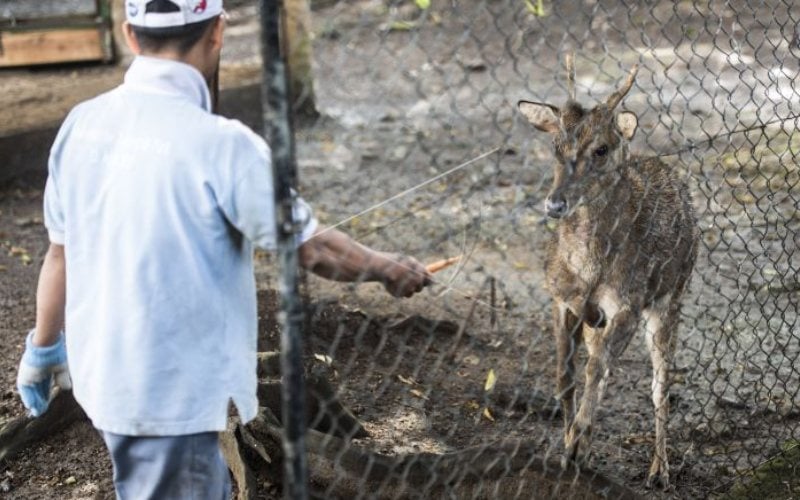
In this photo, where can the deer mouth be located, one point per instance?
(559, 207)
(556, 209)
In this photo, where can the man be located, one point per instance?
(152, 206)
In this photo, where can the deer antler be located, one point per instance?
(615, 98)
(569, 62)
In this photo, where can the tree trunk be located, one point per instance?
(299, 53)
(24, 431)
(123, 54)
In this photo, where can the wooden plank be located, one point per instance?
(27, 9)
(52, 46)
(52, 24)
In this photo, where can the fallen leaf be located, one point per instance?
(473, 405)
(70, 480)
(423, 4)
(476, 66)
(471, 359)
(27, 221)
(488, 414)
(491, 380)
(418, 393)
(401, 26)
(17, 251)
(324, 358)
(407, 381)
(639, 439)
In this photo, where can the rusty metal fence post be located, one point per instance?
(278, 126)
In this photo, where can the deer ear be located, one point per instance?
(540, 115)
(627, 123)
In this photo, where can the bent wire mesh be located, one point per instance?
(454, 392)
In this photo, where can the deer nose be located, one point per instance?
(555, 206)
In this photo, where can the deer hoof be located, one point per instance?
(577, 441)
(658, 479)
(570, 460)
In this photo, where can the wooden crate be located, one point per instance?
(57, 40)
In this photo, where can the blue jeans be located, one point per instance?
(187, 467)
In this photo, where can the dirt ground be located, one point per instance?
(407, 94)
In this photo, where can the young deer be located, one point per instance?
(623, 253)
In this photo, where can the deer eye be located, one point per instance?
(601, 151)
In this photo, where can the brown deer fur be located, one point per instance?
(622, 255)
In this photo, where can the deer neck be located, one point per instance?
(599, 222)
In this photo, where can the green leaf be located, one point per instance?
(423, 4)
(402, 26)
(536, 9)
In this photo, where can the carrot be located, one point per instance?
(435, 267)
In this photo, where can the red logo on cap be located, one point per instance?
(200, 7)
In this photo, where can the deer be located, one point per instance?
(620, 257)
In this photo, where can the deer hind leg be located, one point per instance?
(567, 334)
(659, 336)
(604, 347)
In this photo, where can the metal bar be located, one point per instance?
(278, 122)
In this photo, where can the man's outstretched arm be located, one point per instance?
(334, 255)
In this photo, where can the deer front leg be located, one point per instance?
(604, 347)
(566, 330)
(659, 342)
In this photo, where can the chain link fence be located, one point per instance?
(451, 394)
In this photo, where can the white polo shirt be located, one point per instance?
(157, 203)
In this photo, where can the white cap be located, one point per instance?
(179, 12)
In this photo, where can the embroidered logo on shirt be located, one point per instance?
(133, 9)
(200, 7)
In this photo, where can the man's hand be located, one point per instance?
(37, 369)
(404, 276)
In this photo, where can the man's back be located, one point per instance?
(156, 201)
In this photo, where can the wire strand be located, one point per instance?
(410, 190)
